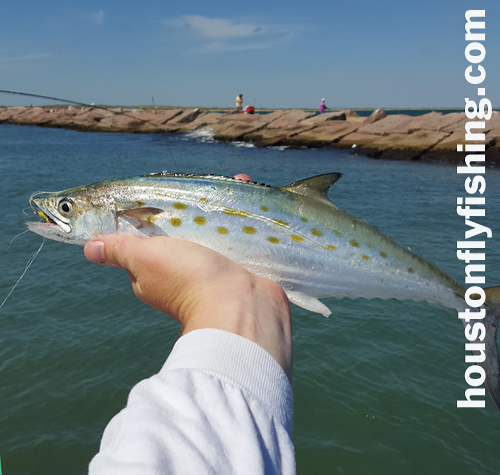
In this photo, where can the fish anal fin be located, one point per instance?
(309, 303)
(315, 187)
(145, 216)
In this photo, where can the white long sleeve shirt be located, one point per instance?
(220, 404)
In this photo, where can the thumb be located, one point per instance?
(110, 250)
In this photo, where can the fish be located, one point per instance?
(293, 235)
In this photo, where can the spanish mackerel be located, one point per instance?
(293, 235)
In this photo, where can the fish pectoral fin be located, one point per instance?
(309, 303)
(145, 216)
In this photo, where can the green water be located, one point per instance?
(375, 385)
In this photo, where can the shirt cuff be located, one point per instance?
(239, 361)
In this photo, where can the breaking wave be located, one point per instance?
(243, 144)
(201, 135)
(207, 135)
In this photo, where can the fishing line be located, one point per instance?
(78, 103)
(28, 264)
(15, 237)
(58, 99)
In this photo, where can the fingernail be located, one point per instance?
(95, 252)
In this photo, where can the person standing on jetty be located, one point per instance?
(322, 106)
(239, 102)
(223, 402)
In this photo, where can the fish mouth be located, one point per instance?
(50, 220)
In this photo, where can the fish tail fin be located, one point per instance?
(490, 363)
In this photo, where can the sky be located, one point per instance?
(278, 54)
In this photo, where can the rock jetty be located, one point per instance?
(432, 136)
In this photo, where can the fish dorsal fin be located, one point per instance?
(315, 187)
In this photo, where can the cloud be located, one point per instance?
(216, 28)
(25, 57)
(95, 18)
(98, 17)
(220, 34)
(21, 61)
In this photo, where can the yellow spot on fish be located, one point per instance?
(337, 233)
(140, 203)
(279, 222)
(222, 230)
(264, 208)
(273, 240)
(330, 248)
(304, 220)
(365, 257)
(200, 220)
(204, 200)
(383, 254)
(236, 212)
(354, 243)
(316, 232)
(152, 218)
(249, 230)
(296, 238)
(175, 222)
(410, 270)
(180, 205)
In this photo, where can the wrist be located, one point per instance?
(252, 307)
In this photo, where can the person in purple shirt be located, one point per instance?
(322, 106)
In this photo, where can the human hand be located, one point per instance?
(201, 289)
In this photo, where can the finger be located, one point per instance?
(242, 177)
(110, 250)
(94, 252)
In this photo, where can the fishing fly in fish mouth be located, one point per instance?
(293, 235)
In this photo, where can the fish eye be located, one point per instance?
(65, 207)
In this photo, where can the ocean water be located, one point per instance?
(375, 384)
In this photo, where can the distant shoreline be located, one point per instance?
(389, 110)
(419, 134)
